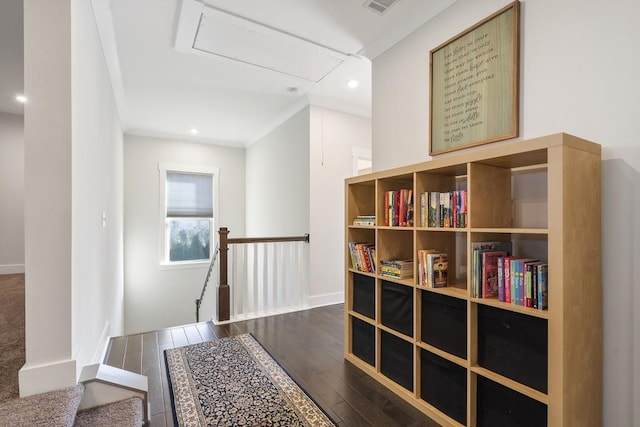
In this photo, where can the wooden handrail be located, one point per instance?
(237, 240)
(224, 300)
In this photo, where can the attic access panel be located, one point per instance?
(236, 38)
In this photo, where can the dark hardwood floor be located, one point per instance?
(307, 344)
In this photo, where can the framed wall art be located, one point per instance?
(474, 82)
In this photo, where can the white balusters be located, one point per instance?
(267, 278)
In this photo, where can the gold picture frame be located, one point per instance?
(474, 84)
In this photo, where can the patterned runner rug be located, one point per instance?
(235, 382)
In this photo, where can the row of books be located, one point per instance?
(398, 269)
(363, 256)
(443, 209)
(364, 220)
(398, 208)
(432, 268)
(516, 280)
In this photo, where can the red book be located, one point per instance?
(490, 273)
(386, 208)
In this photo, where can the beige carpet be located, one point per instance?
(12, 351)
(53, 409)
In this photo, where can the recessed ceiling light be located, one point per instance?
(194, 131)
(352, 84)
(21, 98)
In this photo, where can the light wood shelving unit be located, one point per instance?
(467, 361)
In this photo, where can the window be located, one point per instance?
(188, 216)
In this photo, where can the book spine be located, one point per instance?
(484, 285)
(402, 208)
(534, 286)
(500, 278)
(528, 301)
(508, 285)
(386, 208)
(543, 295)
(423, 197)
(354, 263)
(520, 282)
(515, 276)
(410, 208)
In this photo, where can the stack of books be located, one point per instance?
(398, 269)
(365, 220)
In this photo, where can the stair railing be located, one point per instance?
(224, 297)
(206, 281)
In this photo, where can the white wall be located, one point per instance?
(11, 193)
(333, 135)
(97, 192)
(158, 298)
(278, 181)
(578, 75)
(47, 201)
(73, 166)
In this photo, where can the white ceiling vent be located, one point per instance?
(379, 6)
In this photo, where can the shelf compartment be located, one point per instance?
(359, 235)
(361, 200)
(396, 183)
(503, 197)
(395, 244)
(364, 295)
(529, 197)
(443, 385)
(498, 405)
(363, 340)
(442, 181)
(443, 323)
(396, 359)
(454, 245)
(396, 307)
(513, 345)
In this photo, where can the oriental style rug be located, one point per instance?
(235, 382)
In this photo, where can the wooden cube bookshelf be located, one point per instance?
(543, 367)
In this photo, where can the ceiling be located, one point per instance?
(269, 60)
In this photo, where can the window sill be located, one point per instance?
(184, 265)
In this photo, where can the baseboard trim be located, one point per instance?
(326, 299)
(46, 377)
(12, 269)
(313, 302)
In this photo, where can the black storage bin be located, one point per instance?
(499, 406)
(363, 340)
(443, 384)
(444, 323)
(513, 345)
(397, 307)
(364, 295)
(396, 359)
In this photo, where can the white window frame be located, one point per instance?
(163, 168)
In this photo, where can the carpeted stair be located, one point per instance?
(60, 408)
